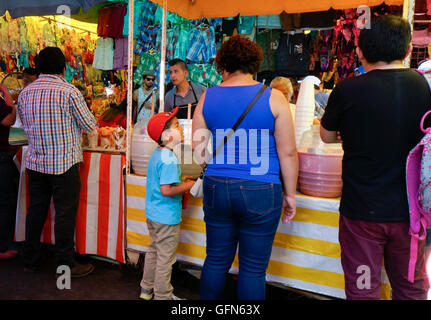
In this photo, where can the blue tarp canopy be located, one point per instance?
(21, 8)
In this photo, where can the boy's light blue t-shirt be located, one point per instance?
(163, 168)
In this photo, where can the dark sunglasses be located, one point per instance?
(149, 79)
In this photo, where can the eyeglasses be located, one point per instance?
(149, 79)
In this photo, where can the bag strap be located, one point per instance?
(235, 126)
(422, 123)
(143, 103)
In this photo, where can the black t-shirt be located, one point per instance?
(378, 115)
(4, 131)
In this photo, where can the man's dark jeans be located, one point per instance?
(64, 189)
(9, 179)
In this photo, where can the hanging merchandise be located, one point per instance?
(147, 15)
(110, 21)
(121, 53)
(325, 49)
(48, 35)
(345, 39)
(69, 73)
(4, 27)
(247, 26)
(183, 42)
(171, 43)
(103, 21)
(147, 39)
(269, 40)
(229, 25)
(10, 64)
(330, 77)
(269, 21)
(137, 12)
(116, 21)
(205, 74)
(292, 56)
(14, 39)
(3, 63)
(290, 21)
(202, 45)
(318, 20)
(104, 54)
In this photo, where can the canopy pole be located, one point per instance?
(408, 14)
(129, 85)
(163, 59)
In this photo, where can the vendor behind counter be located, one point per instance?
(115, 116)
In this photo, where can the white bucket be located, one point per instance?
(142, 149)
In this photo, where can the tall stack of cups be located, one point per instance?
(304, 109)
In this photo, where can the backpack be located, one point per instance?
(418, 178)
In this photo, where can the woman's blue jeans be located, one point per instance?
(244, 214)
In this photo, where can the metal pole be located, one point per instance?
(129, 86)
(408, 14)
(163, 59)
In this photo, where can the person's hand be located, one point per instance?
(339, 137)
(289, 206)
(6, 95)
(187, 178)
(3, 88)
(189, 183)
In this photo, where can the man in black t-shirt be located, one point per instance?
(377, 116)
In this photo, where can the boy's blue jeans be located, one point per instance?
(244, 214)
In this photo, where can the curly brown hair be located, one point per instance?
(239, 54)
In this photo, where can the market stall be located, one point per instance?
(28, 27)
(306, 252)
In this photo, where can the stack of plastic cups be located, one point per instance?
(304, 109)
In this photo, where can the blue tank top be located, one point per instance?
(250, 153)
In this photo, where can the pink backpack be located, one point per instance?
(418, 174)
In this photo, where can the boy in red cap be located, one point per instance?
(163, 206)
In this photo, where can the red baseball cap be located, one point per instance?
(157, 123)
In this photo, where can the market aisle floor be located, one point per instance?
(107, 282)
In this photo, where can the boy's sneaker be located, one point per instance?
(174, 297)
(146, 296)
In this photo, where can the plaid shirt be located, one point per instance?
(202, 45)
(204, 74)
(147, 15)
(53, 113)
(147, 39)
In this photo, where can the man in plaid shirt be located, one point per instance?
(53, 113)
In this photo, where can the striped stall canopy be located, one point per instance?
(305, 253)
(100, 219)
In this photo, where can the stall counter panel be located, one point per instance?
(305, 253)
(100, 224)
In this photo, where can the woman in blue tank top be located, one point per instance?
(251, 178)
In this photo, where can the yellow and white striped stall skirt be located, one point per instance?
(305, 253)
